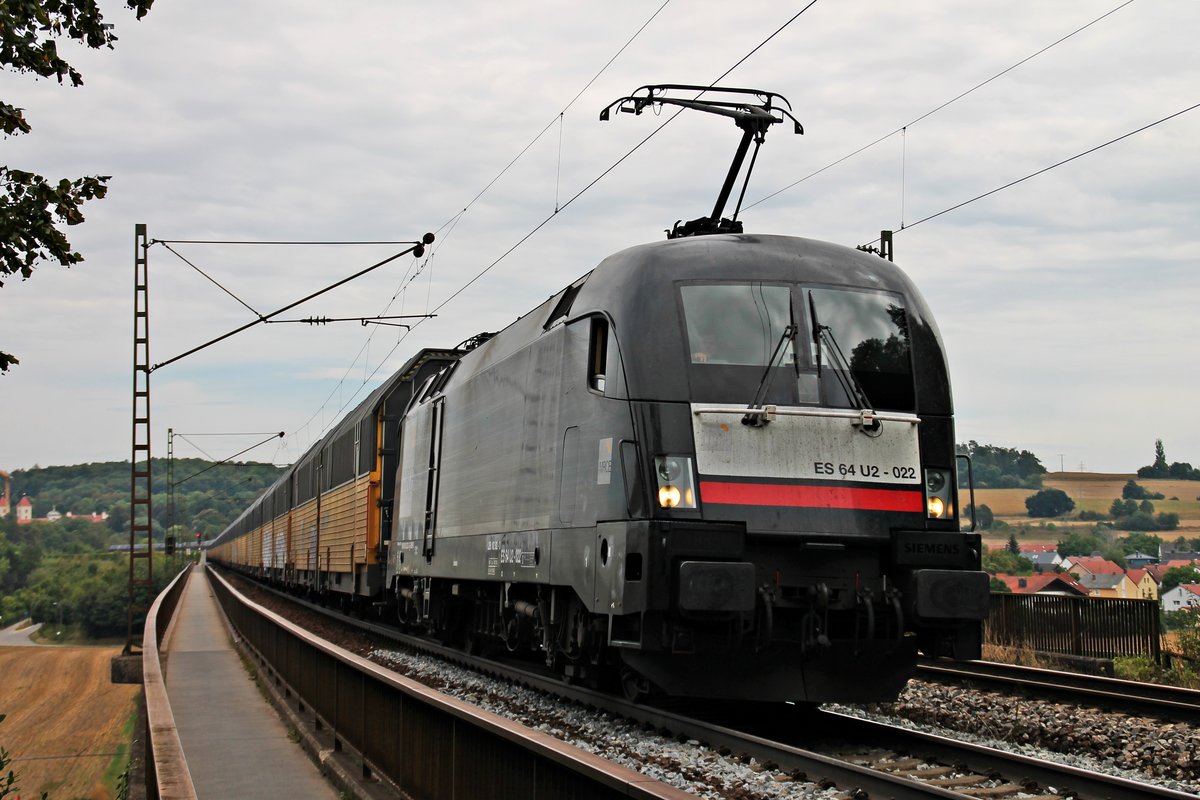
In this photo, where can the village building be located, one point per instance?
(1185, 595)
(1140, 560)
(25, 513)
(1147, 587)
(1092, 565)
(1106, 585)
(1043, 584)
(1044, 561)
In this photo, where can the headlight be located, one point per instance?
(938, 494)
(676, 481)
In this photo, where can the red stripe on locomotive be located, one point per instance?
(773, 494)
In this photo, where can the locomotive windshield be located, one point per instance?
(735, 331)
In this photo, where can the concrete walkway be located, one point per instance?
(236, 745)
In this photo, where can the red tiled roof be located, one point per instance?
(1038, 548)
(1096, 565)
(1136, 575)
(1032, 584)
(25, 503)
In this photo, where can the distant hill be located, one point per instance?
(208, 496)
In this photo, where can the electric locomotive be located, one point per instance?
(721, 465)
(724, 464)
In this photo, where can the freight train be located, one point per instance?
(721, 465)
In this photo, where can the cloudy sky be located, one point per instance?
(1068, 303)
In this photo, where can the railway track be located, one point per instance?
(1112, 694)
(862, 758)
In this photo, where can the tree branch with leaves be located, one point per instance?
(32, 207)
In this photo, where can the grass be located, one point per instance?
(117, 771)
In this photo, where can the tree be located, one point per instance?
(1146, 543)
(1003, 467)
(986, 517)
(1081, 544)
(1177, 575)
(1132, 490)
(1049, 503)
(1013, 546)
(31, 207)
(1005, 563)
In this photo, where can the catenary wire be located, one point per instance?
(575, 197)
(933, 111)
(454, 220)
(1043, 170)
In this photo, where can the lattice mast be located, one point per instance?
(141, 529)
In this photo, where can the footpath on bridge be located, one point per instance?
(236, 745)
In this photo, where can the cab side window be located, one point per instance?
(598, 354)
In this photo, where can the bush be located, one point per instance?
(1137, 668)
(1092, 516)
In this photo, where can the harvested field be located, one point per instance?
(64, 719)
(1093, 491)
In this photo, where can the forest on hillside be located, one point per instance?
(208, 495)
(62, 572)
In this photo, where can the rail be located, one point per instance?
(167, 774)
(424, 743)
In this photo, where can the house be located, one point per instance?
(1147, 586)
(1157, 571)
(1140, 560)
(24, 511)
(1092, 565)
(1043, 584)
(4, 507)
(1185, 595)
(1046, 561)
(1105, 585)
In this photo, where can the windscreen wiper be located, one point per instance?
(768, 376)
(823, 336)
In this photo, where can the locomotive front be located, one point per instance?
(793, 408)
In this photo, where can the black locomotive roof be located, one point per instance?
(635, 288)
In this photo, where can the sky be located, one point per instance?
(1067, 302)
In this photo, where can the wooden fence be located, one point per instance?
(1092, 627)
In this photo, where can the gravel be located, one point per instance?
(686, 765)
(1143, 749)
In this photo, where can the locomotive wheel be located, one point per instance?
(635, 687)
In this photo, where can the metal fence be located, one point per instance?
(426, 744)
(1091, 627)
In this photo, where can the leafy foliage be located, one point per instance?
(1049, 503)
(1087, 542)
(1179, 575)
(1179, 470)
(204, 504)
(1132, 490)
(1002, 467)
(1006, 563)
(31, 206)
(1140, 543)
